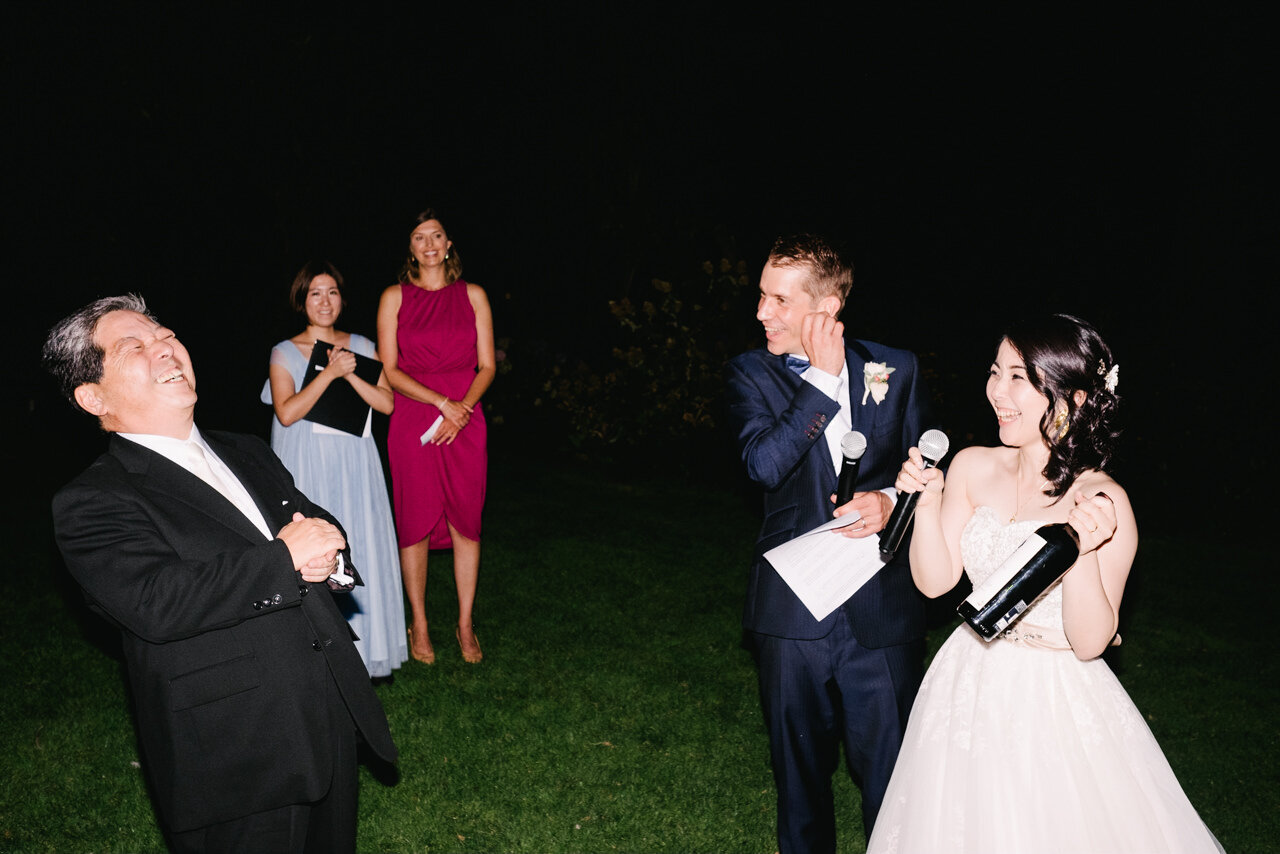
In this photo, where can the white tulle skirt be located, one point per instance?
(1020, 749)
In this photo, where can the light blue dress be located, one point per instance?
(343, 474)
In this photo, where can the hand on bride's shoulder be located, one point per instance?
(1090, 483)
(1101, 511)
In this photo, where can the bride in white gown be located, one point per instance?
(1029, 743)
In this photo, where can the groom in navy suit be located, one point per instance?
(851, 677)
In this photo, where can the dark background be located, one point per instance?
(976, 167)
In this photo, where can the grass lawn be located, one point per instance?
(615, 709)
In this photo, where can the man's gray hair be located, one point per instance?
(70, 353)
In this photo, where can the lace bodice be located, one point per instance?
(987, 540)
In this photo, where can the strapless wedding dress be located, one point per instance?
(1018, 746)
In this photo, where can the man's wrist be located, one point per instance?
(827, 383)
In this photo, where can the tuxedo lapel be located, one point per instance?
(155, 473)
(276, 506)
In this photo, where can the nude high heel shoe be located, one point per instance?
(428, 657)
(471, 653)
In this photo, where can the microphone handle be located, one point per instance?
(891, 536)
(848, 474)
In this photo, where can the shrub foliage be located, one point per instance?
(663, 377)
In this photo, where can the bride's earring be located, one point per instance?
(1060, 424)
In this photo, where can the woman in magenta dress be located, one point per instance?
(435, 333)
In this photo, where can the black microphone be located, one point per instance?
(933, 447)
(853, 446)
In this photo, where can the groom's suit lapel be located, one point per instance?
(790, 379)
(863, 415)
(164, 480)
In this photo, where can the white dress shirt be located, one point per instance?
(224, 480)
(836, 388)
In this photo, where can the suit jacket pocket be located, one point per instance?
(888, 429)
(215, 682)
(779, 527)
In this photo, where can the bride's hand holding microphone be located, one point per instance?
(933, 568)
(915, 476)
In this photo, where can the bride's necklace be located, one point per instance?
(1017, 492)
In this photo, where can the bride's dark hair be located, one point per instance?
(1063, 355)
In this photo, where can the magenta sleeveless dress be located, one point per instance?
(432, 484)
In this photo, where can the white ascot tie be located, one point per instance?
(198, 463)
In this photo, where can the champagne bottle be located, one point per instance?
(1042, 559)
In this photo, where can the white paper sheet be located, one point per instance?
(824, 569)
(431, 431)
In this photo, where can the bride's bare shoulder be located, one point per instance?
(978, 461)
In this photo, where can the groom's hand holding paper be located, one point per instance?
(865, 515)
(824, 570)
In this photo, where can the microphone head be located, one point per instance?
(933, 445)
(853, 445)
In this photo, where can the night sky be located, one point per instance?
(977, 168)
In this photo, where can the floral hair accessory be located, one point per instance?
(875, 381)
(1110, 378)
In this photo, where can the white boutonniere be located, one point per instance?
(875, 381)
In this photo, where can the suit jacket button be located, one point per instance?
(277, 599)
(317, 646)
(257, 606)
(303, 589)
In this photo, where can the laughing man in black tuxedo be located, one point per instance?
(249, 692)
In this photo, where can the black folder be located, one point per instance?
(340, 407)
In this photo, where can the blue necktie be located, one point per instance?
(796, 365)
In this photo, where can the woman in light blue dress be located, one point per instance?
(338, 470)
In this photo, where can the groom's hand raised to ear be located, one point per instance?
(822, 337)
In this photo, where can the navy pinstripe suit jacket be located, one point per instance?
(779, 420)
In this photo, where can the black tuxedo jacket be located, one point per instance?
(228, 649)
(780, 421)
